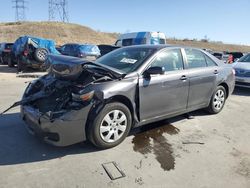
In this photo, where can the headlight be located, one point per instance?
(83, 97)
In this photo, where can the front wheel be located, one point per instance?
(111, 126)
(217, 101)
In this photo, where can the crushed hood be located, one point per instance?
(70, 68)
(64, 66)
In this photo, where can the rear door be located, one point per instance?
(202, 73)
(164, 94)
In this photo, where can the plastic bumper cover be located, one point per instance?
(67, 129)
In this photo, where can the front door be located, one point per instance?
(165, 94)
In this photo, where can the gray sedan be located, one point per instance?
(133, 86)
(242, 71)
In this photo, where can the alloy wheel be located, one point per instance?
(219, 99)
(113, 126)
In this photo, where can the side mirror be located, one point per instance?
(154, 70)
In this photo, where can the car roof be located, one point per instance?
(159, 46)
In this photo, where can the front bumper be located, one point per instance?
(65, 130)
(242, 82)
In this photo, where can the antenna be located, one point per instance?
(58, 10)
(20, 7)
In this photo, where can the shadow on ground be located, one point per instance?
(6, 69)
(17, 146)
(241, 91)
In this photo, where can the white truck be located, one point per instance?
(138, 38)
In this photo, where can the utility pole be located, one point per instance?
(20, 7)
(58, 10)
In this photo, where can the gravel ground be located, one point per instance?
(207, 151)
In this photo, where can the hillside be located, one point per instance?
(66, 32)
(60, 32)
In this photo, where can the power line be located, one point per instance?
(20, 7)
(58, 10)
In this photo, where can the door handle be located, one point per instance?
(183, 77)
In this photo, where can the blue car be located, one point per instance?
(31, 52)
(85, 51)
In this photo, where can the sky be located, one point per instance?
(218, 20)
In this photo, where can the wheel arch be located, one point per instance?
(100, 105)
(223, 84)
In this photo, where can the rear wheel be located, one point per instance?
(1, 60)
(217, 101)
(10, 63)
(111, 126)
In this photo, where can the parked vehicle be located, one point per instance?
(242, 71)
(208, 50)
(218, 55)
(31, 52)
(138, 38)
(226, 58)
(104, 48)
(5, 50)
(132, 86)
(87, 51)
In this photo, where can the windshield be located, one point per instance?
(126, 59)
(245, 59)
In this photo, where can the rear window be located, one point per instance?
(89, 48)
(127, 42)
(8, 46)
(210, 62)
(195, 58)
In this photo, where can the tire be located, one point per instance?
(20, 65)
(217, 101)
(1, 60)
(40, 54)
(10, 63)
(114, 132)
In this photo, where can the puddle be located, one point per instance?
(151, 140)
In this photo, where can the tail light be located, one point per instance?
(6, 50)
(25, 52)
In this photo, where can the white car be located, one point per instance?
(138, 38)
(242, 71)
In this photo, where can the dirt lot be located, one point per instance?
(207, 151)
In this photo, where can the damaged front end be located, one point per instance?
(56, 106)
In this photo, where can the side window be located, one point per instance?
(162, 41)
(210, 62)
(67, 48)
(127, 42)
(171, 60)
(195, 58)
(62, 48)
